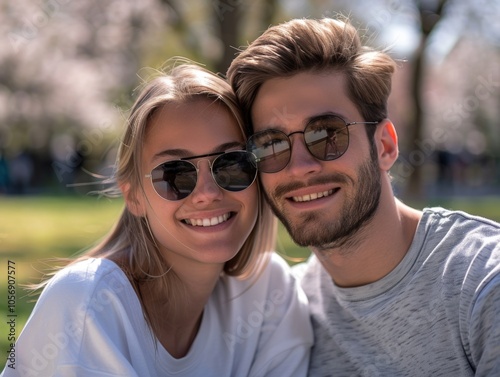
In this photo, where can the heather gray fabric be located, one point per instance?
(436, 314)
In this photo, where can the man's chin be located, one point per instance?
(305, 238)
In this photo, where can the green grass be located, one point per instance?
(488, 207)
(35, 229)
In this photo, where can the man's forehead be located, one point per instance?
(284, 102)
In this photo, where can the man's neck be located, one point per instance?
(376, 249)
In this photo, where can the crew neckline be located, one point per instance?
(388, 282)
(165, 362)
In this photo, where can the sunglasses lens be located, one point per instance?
(234, 171)
(272, 149)
(327, 138)
(174, 180)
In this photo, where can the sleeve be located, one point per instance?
(287, 335)
(71, 332)
(484, 330)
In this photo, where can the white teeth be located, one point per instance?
(208, 221)
(308, 198)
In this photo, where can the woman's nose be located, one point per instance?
(206, 189)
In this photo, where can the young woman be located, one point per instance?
(185, 284)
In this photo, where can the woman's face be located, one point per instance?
(209, 226)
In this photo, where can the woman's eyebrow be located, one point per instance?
(180, 153)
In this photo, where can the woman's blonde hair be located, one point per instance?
(131, 243)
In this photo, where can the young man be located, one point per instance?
(393, 291)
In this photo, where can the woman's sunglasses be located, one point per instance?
(326, 138)
(232, 171)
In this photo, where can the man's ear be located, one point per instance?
(134, 203)
(386, 140)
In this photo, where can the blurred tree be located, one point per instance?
(67, 68)
(64, 65)
(430, 13)
(424, 33)
(230, 32)
(446, 28)
(227, 25)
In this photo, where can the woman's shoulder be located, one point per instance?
(91, 270)
(81, 279)
(275, 277)
(278, 269)
(276, 261)
(265, 316)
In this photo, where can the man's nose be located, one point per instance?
(302, 162)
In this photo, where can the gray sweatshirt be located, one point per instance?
(436, 314)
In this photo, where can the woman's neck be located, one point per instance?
(176, 315)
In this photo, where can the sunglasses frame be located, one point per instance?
(210, 164)
(287, 138)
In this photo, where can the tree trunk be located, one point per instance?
(430, 14)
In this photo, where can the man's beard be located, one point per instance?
(314, 230)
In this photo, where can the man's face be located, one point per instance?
(321, 203)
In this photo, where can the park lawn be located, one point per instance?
(35, 229)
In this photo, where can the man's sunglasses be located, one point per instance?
(232, 171)
(326, 138)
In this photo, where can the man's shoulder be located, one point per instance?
(455, 218)
(464, 236)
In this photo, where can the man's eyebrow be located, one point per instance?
(307, 120)
(325, 115)
(182, 153)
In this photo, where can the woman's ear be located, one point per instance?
(134, 203)
(386, 139)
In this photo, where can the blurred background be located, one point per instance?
(69, 69)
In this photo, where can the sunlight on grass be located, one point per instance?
(288, 249)
(35, 229)
(45, 227)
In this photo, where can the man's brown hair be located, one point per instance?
(307, 45)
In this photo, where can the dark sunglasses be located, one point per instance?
(326, 138)
(232, 171)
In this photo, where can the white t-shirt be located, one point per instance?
(88, 322)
